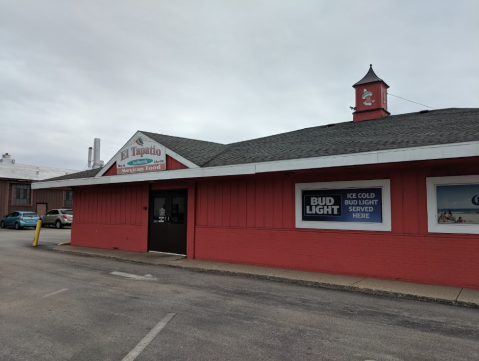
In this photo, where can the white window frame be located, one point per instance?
(433, 226)
(385, 186)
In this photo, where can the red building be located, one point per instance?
(383, 196)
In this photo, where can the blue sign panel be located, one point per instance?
(343, 205)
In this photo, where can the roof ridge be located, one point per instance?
(174, 136)
(341, 123)
(227, 146)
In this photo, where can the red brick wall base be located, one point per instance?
(125, 237)
(440, 259)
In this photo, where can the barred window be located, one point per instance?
(68, 199)
(21, 194)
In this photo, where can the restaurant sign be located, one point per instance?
(141, 155)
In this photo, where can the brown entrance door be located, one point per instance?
(41, 209)
(167, 221)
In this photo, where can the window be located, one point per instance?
(453, 204)
(68, 199)
(355, 205)
(21, 194)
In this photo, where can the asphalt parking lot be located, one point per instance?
(56, 306)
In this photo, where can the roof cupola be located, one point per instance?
(371, 97)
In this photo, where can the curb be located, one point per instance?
(293, 281)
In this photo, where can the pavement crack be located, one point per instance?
(458, 295)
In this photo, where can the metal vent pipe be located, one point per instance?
(90, 150)
(96, 153)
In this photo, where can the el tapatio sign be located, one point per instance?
(141, 155)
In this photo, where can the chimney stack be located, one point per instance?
(371, 97)
(96, 153)
(90, 150)
(7, 158)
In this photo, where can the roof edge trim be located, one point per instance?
(441, 151)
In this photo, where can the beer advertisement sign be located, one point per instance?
(457, 204)
(342, 205)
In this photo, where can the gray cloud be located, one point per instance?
(221, 71)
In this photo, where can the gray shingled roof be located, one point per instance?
(425, 128)
(392, 132)
(85, 174)
(196, 151)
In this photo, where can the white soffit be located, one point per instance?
(447, 151)
(169, 152)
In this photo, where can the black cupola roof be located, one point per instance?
(370, 77)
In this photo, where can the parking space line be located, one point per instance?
(54, 293)
(148, 338)
(134, 277)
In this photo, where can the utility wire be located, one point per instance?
(411, 101)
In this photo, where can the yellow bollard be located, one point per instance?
(37, 233)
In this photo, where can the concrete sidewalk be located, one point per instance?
(439, 294)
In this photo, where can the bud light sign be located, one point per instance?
(342, 205)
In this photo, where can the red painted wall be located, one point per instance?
(375, 110)
(251, 220)
(172, 164)
(446, 260)
(369, 115)
(378, 89)
(111, 216)
(111, 170)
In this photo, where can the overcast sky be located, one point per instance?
(222, 71)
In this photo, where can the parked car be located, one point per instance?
(58, 218)
(19, 219)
